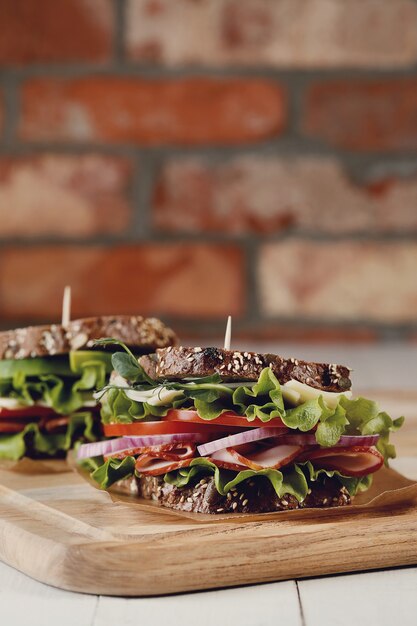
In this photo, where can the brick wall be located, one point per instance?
(195, 158)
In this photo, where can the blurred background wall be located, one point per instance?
(195, 158)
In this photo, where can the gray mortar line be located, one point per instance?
(119, 8)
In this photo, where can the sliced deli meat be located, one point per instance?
(226, 460)
(11, 427)
(110, 447)
(54, 424)
(168, 452)
(150, 466)
(357, 461)
(257, 456)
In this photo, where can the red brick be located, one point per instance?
(344, 280)
(63, 195)
(373, 115)
(308, 334)
(182, 111)
(188, 280)
(255, 194)
(35, 31)
(262, 334)
(288, 33)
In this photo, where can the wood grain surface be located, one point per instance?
(59, 530)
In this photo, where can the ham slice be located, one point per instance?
(51, 425)
(12, 427)
(354, 461)
(150, 466)
(258, 456)
(232, 459)
(224, 458)
(166, 451)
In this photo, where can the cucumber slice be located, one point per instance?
(71, 366)
(37, 366)
(79, 358)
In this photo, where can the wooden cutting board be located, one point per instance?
(58, 529)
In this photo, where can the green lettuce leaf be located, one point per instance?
(353, 484)
(33, 442)
(292, 480)
(125, 363)
(364, 418)
(115, 405)
(305, 416)
(263, 400)
(209, 397)
(332, 425)
(296, 479)
(63, 394)
(113, 470)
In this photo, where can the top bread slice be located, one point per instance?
(233, 366)
(142, 334)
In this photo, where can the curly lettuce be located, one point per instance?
(62, 384)
(295, 479)
(33, 442)
(106, 473)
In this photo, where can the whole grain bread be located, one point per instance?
(142, 334)
(250, 496)
(177, 363)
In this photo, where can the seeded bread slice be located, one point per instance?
(251, 496)
(176, 363)
(140, 333)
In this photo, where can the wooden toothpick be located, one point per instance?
(66, 306)
(228, 334)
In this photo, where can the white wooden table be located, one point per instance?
(382, 598)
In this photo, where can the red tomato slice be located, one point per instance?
(225, 419)
(163, 428)
(29, 413)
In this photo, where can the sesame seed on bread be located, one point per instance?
(250, 496)
(140, 333)
(177, 362)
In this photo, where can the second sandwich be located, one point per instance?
(48, 375)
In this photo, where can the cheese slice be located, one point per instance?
(12, 404)
(159, 396)
(296, 393)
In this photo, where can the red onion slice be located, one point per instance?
(265, 433)
(111, 446)
(248, 436)
(357, 440)
(345, 440)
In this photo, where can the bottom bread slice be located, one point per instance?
(251, 496)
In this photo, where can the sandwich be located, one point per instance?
(216, 431)
(48, 375)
